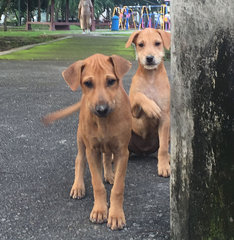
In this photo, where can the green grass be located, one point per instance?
(35, 27)
(38, 30)
(36, 33)
(7, 43)
(75, 48)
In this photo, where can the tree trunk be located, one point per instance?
(6, 15)
(63, 15)
(28, 11)
(5, 22)
(39, 11)
(108, 13)
(67, 11)
(19, 14)
(93, 27)
(47, 13)
(202, 88)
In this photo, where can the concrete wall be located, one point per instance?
(202, 88)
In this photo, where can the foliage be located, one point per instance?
(3, 6)
(99, 6)
(73, 7)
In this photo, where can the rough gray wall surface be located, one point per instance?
(202, 88)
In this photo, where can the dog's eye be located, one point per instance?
(110, 82)
(157, 44)
(88, 84)
(141, 45)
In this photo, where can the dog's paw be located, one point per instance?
(77, 191)
(98, 214)
(136, 111)
(152, 110)
(109, 177)
(164, 169)
(116, 219)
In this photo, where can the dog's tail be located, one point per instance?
(51, 117)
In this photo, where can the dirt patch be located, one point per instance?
(7, 43)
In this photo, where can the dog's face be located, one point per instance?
(99, 77)
(99, 84)
(150, 45)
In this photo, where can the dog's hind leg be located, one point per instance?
(163, 155)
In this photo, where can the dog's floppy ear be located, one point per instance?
(132, 39)
(121, 65)
(166, 37)
(72, 75)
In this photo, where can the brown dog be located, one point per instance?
(150, 97)
(104, 128)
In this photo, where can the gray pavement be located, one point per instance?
(37, 166)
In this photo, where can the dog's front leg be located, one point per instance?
(99, 212)
(141, 102)
(116, 218)
(78, 187)
(163, 155)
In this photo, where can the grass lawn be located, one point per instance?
(37, 30)
(17, 37)
(75, 48)
(9, 42)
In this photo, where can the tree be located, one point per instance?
(3, 6)
(6, 15)
(19, 7)
(73, 7)
(100, 6)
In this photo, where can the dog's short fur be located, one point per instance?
(104, 128)
(150, 97)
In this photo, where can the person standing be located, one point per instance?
(167, 20)
(85, 9)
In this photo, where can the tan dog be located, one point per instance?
(150, 97)
(85, 9)
(104, 128)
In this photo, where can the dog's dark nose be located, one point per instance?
(149, 59)
(102, 110)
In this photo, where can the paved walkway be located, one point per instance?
(37, 166)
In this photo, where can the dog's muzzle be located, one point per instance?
(151, 62)
(102, 110)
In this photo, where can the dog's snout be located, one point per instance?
(101, 110)
(149, 59)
